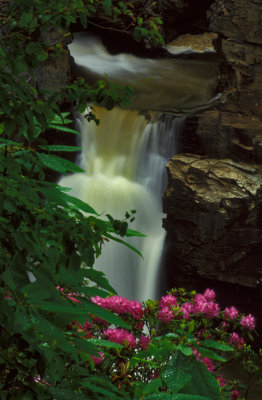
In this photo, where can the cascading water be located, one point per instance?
(124, 158)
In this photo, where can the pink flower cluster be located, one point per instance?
(236, 340)
(235, 395)
(203, 303)
(121, 336)
(166, 303)
(248, 322)
(231, 312)
(120, 305)
(98, 360)
(144, 342)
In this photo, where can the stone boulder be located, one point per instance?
(214, 219)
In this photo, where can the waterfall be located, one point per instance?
(124, 158)
(125, 155)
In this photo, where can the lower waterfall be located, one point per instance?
(124, 158)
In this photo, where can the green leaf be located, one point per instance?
(107, 6)
(63, 128)
(9, 126)
(216, 345)
(152, 386)
(20, 240)
(178, 372)
(209, 353)
(105, 343)
(181, 396)
(60, 147)
(99, 278)
(124, 243)
(203, 383)
(186, 350)
(106, 315)
(25, 20)
(37, 291)
(85, 346)
(69, 309)
(58, 164)
(159, 396)
(42, 56)
(81, 205)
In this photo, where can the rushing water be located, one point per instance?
(125, 155)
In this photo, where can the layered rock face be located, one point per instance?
(214, 199)
(215, 214)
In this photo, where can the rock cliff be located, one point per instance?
(214, 197)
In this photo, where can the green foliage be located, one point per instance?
(49, 239)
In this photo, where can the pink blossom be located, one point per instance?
(144, 342)
(221, 381)
(235, 395)
(211, 309)
(231, 312)
(165, 315)
(209, 294)
(85, 328)
(120, 305)
(70, 296)
(168, 301)
(140, 325)
(208, 363)
(199, 303)
(121, 336)
(248, 322)
(98, 360)
(186, 309)
(236, 340)
(202, 305)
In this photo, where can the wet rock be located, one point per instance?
(192, 44)
(214, 215)
(55, 73)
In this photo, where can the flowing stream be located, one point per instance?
(125, 155)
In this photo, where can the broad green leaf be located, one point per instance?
(203, 383)
(159, 396)
(20, 240)
(99, 278)
(58, 164)
(37, 291)
(60, 147)
(65, 394)
(181, 396)
(108, 316)
(76, 311)
(178, 372)
(186, 350)
(105, 343)
(152, 386)
(98, 389)
(124, 243)
(212, 344)
(62, 128)
(81, 205)
(104, 382)
(209, 353)
(85, 345)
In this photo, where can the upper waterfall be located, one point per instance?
(161, 84)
